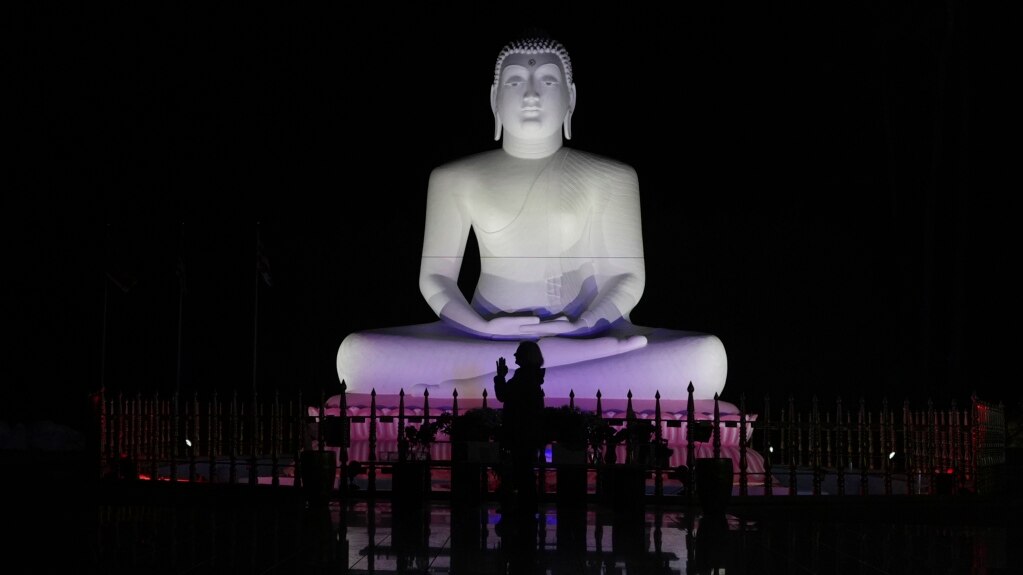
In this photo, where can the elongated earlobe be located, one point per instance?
(493, 107)
(567, 124)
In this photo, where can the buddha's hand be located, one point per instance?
(559, 325)
(502, 368)
(509, 327)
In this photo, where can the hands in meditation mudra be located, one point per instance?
(561, 248)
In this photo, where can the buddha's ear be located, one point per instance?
(493, 107)
(568, 114)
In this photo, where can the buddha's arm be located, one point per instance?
(621, 263)
(617, 256)
(447, 230)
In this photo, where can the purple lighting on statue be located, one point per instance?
(562, 263)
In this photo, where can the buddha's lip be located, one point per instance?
(531, 109)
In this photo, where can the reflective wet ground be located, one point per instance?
(241, 529)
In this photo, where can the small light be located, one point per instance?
(891, 455)
(188, 442)
(770, 449)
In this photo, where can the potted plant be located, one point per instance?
(411, 473)
(415, 442)
(567, 429)
(473, 447)
(638, 435)
(473, 434)
(624, 484)
(600, 435)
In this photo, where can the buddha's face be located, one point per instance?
(532, 96)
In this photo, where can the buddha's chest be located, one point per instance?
(543, 209)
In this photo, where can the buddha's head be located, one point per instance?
(533, 95)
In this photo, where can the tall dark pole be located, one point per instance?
(253, 435)
(181, 305)
(175, 442)
(255, 316)
(106, 306)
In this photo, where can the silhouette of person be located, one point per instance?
(561, 261)
(522, 399)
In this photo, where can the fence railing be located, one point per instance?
(791, 449)
(211, 440)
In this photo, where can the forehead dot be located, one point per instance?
(532, 62)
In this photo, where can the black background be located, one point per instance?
(825, 188)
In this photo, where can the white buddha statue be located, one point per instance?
(560, 240)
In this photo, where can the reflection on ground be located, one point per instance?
(249, 530)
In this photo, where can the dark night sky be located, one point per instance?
(822, 187)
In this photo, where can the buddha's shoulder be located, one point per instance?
(472, 165)
(602, 166)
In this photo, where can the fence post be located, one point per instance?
(254, 436)
(907, 439)
(886, 447)
(150, 429)
(814, 439)
(402, 443)
(829, 431)
(690, 448)
(842, 451)
(137, 434)
(717, 428)
(371, 457)
(768, 428)
(793, 452)
(930, 439)
(862, 427)
(103, 447)
(122, 428)
(743, 481)
(658, 435)
(346, 427)
(213, 435)
(972, 466)
(299, 418)
(275, 434)
(196, 434)
(950, 440)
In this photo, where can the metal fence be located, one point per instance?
(812, 450)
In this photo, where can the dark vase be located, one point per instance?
(713, 478)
